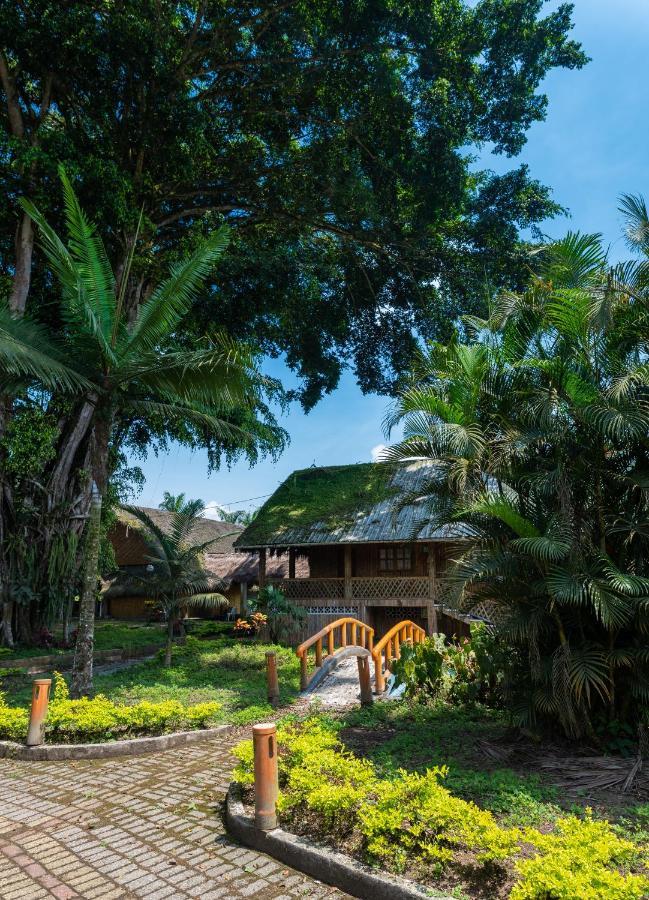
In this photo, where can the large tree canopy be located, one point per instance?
(335, 137)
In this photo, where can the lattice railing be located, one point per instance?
(447, 595)
(369, 589)
(312, 588)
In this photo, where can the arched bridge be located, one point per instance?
(348, 637)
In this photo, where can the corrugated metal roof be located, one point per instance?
(378, 524)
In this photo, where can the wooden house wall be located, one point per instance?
(329, 561)
(326, 562)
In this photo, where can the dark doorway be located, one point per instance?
(382, 618)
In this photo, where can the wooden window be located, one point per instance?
(395, 558)
(403, 560)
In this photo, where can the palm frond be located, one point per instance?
(636, 221)
(170, 302)
(28, 354)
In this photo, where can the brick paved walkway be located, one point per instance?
(142, 827)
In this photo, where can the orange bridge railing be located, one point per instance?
(389, 648)
(334, 637)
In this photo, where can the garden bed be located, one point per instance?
(410, 789)
(211, 681)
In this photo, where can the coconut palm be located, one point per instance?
(236, 516)
(178, 580)
(539, 429)
(172, 502)
(108, 370)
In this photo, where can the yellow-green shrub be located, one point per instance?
(331, 784)
(315, 772)
(414, 816)
(97, 719)
(294, 742)
(580, 860)
(13, 721)
(414, 819)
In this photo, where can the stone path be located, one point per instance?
(134, 827)
(340, 688)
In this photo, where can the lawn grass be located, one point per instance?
(417, 737)
(109, 635)
(228, 670)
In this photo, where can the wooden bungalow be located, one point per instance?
(124, 596)
(367, 558)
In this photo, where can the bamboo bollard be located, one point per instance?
(40, 699)
(271, 677)
(378, 674)
(264, 739)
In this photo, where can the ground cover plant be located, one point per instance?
(224, 675)
(423, 821)
(331, 495)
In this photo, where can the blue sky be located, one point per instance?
(593, 146)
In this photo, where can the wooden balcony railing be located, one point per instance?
(382, 587)
(389, 648)
(362, 588)
(345, 632)
(312, 588)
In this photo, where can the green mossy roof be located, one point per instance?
(328, 499)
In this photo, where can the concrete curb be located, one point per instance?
(133, 747)
(322, 863)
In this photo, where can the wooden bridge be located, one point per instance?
(350, 637)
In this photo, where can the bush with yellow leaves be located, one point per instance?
(99, 719)
(412, 821)
(582, 859)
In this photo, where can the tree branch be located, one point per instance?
(16, 122)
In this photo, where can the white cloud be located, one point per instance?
(377, 452)
(211, 511)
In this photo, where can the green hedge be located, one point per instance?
(99, 719)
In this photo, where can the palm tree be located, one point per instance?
(178, 580)
(539, 429)
(107, 371)
(236, 516)
(172, 502)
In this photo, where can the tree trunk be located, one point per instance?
(67, 618)
(81, 684)
(7, 630)
(23, 265)
(72, 437)
(25, 633)
(170, 639)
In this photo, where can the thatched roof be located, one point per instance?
(344, 505)
(130, 546)
(223, 565)
(238, 568)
